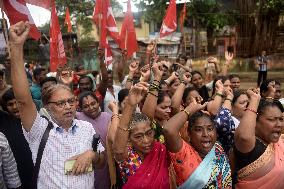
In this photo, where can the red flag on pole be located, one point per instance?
(42, 3)
(57, 53)
(67, 21)
(108, 24)
(182, 17)
(98, 11)
(128, 34)
(17, 11)
(169, 23)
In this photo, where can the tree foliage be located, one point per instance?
(208, 13)
(258, 25)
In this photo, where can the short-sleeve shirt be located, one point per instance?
(61, 146)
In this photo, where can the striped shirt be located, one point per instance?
(9, 177)
(262, 63)
(61, 146)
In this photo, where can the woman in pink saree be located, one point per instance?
(142, 161)
(259, 145)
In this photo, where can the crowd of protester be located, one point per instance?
(161, 125)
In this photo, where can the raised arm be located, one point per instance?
(186, 68)
(114, 121)
(214, 105)
(102, 88)
(172, 77)
(149, 52)
(17, 35)
(224, 122)
(229, 57)
(245, 133)
(151, 99)
(145, 73)
(171, 129)
(132, 68)
(121, 65)
(177, 97)
(136, 94)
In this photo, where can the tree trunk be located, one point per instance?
(257, 31)
(210, 40)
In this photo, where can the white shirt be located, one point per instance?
(61, 145)
(109, 97)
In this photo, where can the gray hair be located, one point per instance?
(138, 118)
(45, 97)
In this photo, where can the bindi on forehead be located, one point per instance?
(88, 100)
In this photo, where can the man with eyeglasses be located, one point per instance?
(64, 150)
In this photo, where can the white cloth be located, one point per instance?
(236, 122)
(61, 146)
(109, 97)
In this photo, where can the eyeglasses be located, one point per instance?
(62, 103)
(149, 134)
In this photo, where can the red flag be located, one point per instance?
(57, 53)
(108, 24)
(68, 21)
(17, 11)
(98, 11)
(169, 23)
(182, 17)
(42, 3)
(127, 34)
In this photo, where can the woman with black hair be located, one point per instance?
(91, 112)
(198, 83)
(200, 162)
(259, 145)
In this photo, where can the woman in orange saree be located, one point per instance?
(201, 162)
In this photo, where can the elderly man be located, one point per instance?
(64, 149)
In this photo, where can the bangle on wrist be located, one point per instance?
(251, 110)
(155, 80)
(123, 129)
(129, 80)
(219, 94)
(114, 116)
(167, 82)
(229, 99)
(187, 113)
(150, 92)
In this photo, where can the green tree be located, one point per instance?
(209, 14)
(258, 25)
(82, 10)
